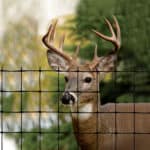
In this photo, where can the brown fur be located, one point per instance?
(128, 121)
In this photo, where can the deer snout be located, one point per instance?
(68, 98)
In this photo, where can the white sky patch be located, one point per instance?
(42, 11)
(8, 144)
(55, 8)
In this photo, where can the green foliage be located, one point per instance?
(49, 139)
(8, 103)
(25, 96)
(126, 98)
(134, 19)
(19, 37)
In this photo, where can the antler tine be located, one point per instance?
(110, 28)
(61, 43)
(46, 35)
(51, 32)
(95, 59)
(117, 27)
(76, 51)
(95, 52)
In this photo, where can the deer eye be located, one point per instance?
(88, 79)
(66, 79)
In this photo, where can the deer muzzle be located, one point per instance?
(68, 98)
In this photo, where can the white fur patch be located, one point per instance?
(74, 95)
(84, 112)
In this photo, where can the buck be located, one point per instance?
(121, 126)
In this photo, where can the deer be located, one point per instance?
(112, 126)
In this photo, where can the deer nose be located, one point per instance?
(67, 98)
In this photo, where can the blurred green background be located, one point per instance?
(21, 46)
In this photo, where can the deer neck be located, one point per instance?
(85, 120)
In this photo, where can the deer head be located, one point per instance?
(81, 79)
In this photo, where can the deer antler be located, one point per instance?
(48, 41)
(115, 38)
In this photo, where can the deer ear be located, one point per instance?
(57, 62)
(106, 64)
